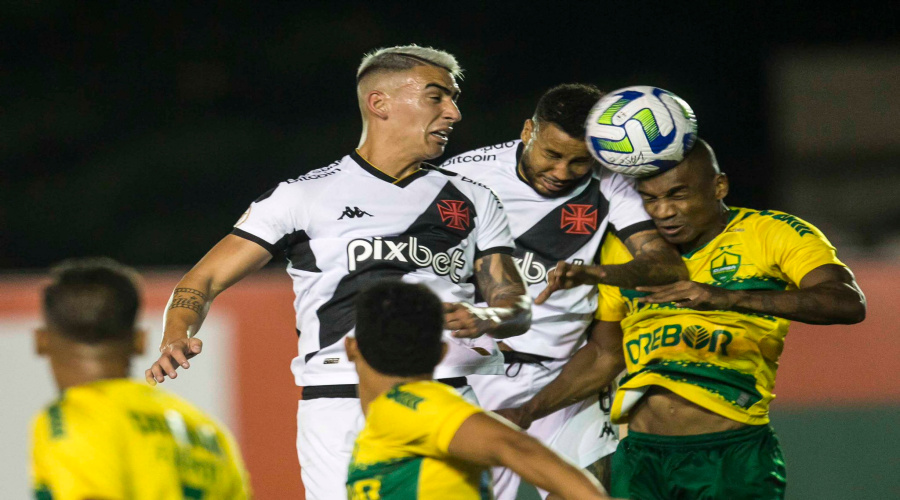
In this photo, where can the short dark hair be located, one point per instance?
(399, 328)
(92, 300)
(567, 106)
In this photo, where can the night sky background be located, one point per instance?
(142, 130)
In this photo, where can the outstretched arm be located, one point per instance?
(509, 306)
(827, 295)
(486, 441)
(228, 262)
(655, 262)
(592, 368)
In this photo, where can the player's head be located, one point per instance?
(398, 329)
(407, 97)
(686, 201)
(555, 158)
(89, 310)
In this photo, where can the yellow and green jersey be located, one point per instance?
(724, 361)
(122, 439)
(401, 453)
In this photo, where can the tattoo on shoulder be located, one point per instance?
(188, 298)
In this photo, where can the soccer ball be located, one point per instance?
(640, 131)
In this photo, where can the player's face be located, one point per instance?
(553, 162)
(425, 110)
(685, 204)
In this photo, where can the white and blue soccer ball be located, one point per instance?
(640, 131)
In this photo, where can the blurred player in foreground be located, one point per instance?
(560, 205)
(108, 437)
(421, 439)
(702, 354)
(379, 212)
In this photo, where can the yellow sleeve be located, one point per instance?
(75, 454)
(612, 306)
(423, 417)
(447, 427)
(792, 246)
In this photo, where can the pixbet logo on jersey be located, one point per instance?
(410, 251)
(535, 271)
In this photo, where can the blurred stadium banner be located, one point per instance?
(838, 389)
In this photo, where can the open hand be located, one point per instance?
(688, 294)
(172, 355)
(566, 275)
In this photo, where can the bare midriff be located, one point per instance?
(665, 413)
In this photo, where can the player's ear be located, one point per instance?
(41, 341)
(721, 186)
(352, 349)
(377, 104)
(139, 343)
(527, 130)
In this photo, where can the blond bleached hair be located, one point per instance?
(406, 57)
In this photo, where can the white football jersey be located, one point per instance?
(347, 225)
(548, 230)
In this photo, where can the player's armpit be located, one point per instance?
(487, 441)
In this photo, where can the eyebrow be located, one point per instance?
(452, 93)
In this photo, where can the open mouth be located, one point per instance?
(670, 229)
(442, 135)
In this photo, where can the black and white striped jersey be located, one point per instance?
(547, 230)
(347, 225)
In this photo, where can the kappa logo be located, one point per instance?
(578, 218)
(354, 213)
(454, 213)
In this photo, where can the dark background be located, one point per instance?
(142, 130)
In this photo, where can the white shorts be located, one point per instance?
(326, 432)
(581, 432)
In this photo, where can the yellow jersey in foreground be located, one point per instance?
(724, 361)
(122, 439)
(401, 453)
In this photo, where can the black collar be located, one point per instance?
(372, 169)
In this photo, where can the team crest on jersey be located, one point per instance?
(576, 219)
(724, 266)
(454, 213)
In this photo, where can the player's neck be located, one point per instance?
(714, 229)
(79, 364)
(388, 158)
(375, 384)
(74, 372)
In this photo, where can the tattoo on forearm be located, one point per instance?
(655, 263)
(188, 298)
(499, 280)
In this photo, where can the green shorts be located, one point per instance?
(742, 464)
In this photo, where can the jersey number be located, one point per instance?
(366, 489)
(190, 493)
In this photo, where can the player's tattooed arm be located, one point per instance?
(189, 298)
(227, 263)
(656, 262)
(827, 295)
(509, 306)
